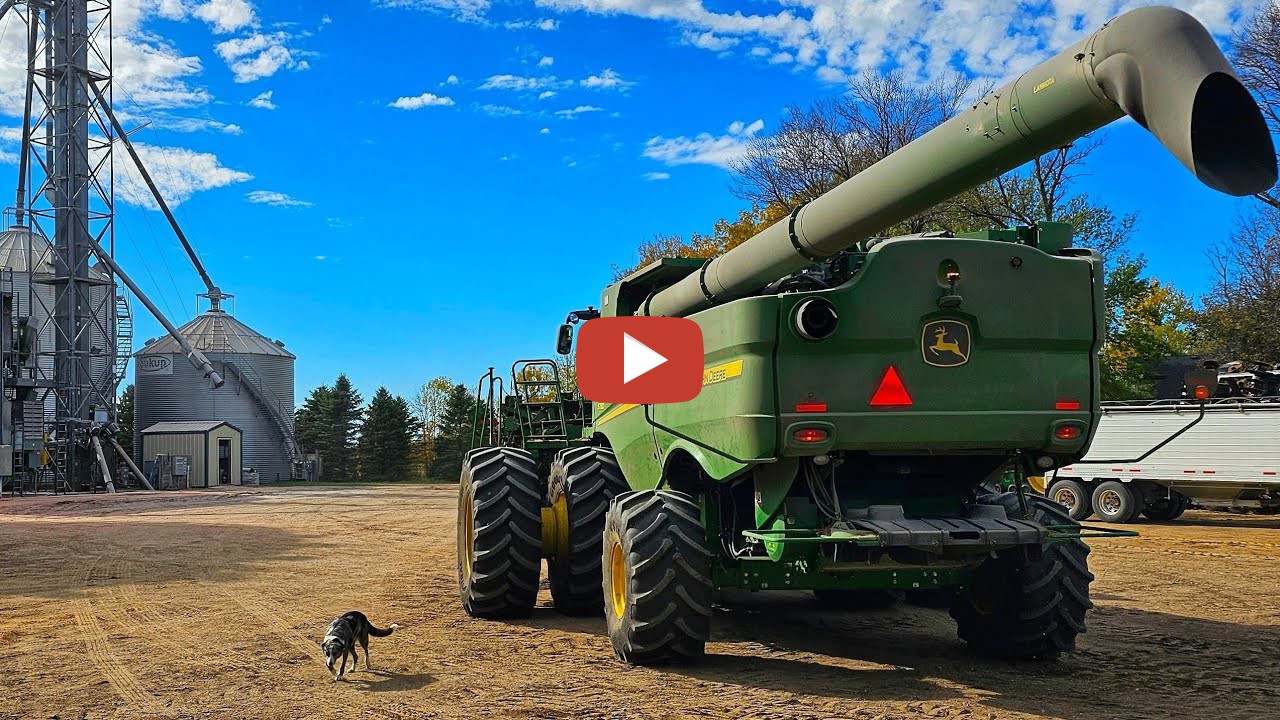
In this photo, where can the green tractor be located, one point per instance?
(863, 397)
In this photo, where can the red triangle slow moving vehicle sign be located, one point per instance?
(891, 393)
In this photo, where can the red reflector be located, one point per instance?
(891, 393)
(1067, 432)
(811, 407)
(1067, 405)
(810, 435)
(1202, 392)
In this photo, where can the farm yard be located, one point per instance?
(211, 605)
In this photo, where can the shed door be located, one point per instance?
(224, 461)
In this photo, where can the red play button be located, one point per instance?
(640, 360)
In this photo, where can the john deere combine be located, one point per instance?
(862, 395)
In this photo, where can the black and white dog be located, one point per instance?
(341, 638)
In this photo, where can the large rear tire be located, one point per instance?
(1073, 496)
(499, 533)
(657, 578)
(1022, 608)
(583, 481)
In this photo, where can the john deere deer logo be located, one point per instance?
(945, 343)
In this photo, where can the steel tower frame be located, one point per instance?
(67, 183)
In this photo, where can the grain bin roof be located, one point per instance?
(188, 427)
(217, 332)
(18, 239)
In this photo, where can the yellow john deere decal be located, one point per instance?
(720, 373)
(710, 376)
(616, 412)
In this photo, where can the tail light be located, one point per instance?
(810, 435)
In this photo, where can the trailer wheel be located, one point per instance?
(850, 599)
(1073, 496)
(499, 533)
(657, 578)
(1115, 502)
(1166, 508)
(1019, 606)
(1184, 503)
(583, 481)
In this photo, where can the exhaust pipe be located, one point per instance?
(1156, 64)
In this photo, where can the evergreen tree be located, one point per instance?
(313, 420)
(453, 434)
(344, 429)
(124, 420)
(386, 438)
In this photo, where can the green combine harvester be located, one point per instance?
(863, 396)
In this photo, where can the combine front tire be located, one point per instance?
(583, 481)
(1019, 608)
(499, 533)
(657, 578)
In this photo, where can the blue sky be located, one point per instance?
(401, 189)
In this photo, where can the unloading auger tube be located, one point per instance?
(1156, 64)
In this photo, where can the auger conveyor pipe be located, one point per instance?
(1156, 64)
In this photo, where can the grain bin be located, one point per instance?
(257, 397)
(35, 296)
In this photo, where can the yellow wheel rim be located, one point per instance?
(617, 579)
(467, 535)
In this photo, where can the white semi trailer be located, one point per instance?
(1230, 459)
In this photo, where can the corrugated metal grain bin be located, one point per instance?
(257, 396)
(214, 448)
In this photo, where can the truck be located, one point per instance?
(1230, 459)
(862, 395)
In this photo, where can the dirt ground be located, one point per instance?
(211, 605)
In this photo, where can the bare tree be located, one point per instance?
(1257, 59)
(1240, 310)
(816, 148)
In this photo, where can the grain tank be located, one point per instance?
(257, 397)
(861, 395)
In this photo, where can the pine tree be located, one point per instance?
(453, 434)
(346, 414)
(313, 421)
(124, 420)
(386, 438)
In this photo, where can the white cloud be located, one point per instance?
(322, 258)
(8, 158)
(608, 79)
(263, 101)
(575, 112)
(468, 10)
(275, 199)
(500, 110)
(259, 55)
(546, 61)
(546, 94)
(226, 16)
(544, 131)
(546, 24)
(519, 83)
(652, 176)
(924, 38)
(705, 148)
(709, 41)
(179, 173)
(417, 102)
(451, 80)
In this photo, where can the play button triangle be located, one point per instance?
(637, 358)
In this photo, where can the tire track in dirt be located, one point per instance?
(123, 682)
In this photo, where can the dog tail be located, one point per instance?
(374, 631)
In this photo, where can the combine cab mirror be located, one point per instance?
(1202, 383)
(564, 340)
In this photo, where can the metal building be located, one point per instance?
(212, 449)
(257, 397)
